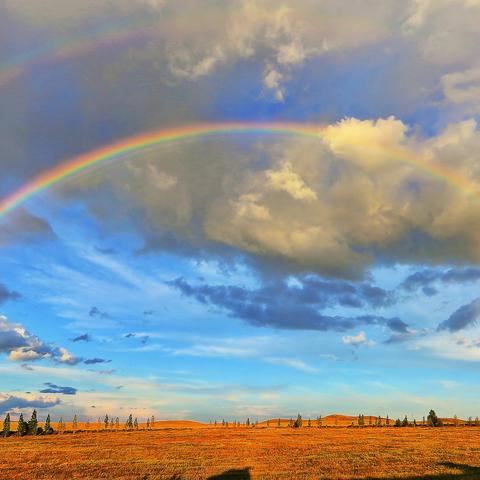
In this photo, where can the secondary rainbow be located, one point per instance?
(129, 146)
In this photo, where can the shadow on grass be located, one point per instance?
(234, 474)
(464, 472)
(243, 474)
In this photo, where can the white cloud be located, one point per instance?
(358, 340)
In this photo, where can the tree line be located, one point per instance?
(32, 427)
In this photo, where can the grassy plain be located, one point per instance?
(183, 452)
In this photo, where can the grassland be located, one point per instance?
(183, 452)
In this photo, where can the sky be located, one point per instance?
(241, 274)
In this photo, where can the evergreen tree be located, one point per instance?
(278, 423)
(398, 422)
(248, 422)
(405, 422)
(75, 423)
(215, 423)
(309, 422)
(298, 421)
(469, 421)
(105, 421)
(33, 424)
(48, 425)
(130, 422)
(61, 425)
(152, 423)
(432, 419)
(6, 426)
(148, 424)
(135, 424)
(22, 426)
(387, 421)
(319, 421)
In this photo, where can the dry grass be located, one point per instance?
(284, 453)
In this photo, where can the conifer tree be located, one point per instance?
(135, 424)
(278, 422)
(248, 422)
(74, 423)
(398, 422)
(309, 422)
(215, 423)
(387, 422)
(33, 424)
(298, 421)
(405, 422)
(130, 422)
(22, 427)
(106, 422)
(148, 424)
(152, 422)
(48, 427)
(6, 426)
(432, 419)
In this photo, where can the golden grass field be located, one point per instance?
(201, 452)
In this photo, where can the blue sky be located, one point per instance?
(239, 276)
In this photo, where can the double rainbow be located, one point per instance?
(128, 146)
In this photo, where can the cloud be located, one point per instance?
(23, 226)
(423, 279)
(52, 388)
(9, 402)
(82, 338)
(6, 294)
(293, 363)
(96, 312)
(358, 340)
(284, 306)
(93, 361)
(463, 317)
(23, 346)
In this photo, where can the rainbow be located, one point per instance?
(128, 146)
(73, 46)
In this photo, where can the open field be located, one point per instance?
(247, 453)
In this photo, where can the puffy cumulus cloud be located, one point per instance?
(23, 226)
(287, 180)
(19, 401)
(279, 37)
(296, 306)
(365, 142)
(333, 205)
(358, 340)
(21, 346)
